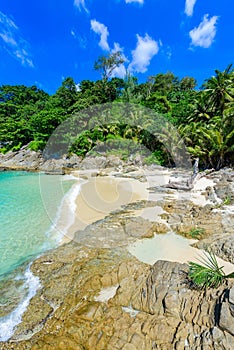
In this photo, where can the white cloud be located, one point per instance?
(204, 34)
(189, 6)
(78, 87)
(81, 39)
(139, 1)
(73, 34)
(81, 4)
(145, 50)
(101, 30)
(13, 42)
(119, 72)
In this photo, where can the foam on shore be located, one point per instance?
(65, 216)
(9, 322)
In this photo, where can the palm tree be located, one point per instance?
(218, 142)
(211, 142)
(210, 133)
(202, 109)
(219, 90)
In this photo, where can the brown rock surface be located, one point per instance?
(96, 298)
(153, 308)
(183, 216)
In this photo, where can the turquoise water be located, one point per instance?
(30, 208)
(29, 203)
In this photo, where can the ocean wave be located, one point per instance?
(9, 322)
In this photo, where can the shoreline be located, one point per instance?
(97, 198)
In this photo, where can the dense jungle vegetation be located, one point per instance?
(204, 117)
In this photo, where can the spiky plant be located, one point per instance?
(209, 274)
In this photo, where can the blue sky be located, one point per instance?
(42, 42)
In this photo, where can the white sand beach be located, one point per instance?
(96, 198)
(93, 199)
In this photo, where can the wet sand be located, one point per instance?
(98, 197)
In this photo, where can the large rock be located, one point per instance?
(148, 308)
(118, 229)
(183, 216)
(23, 159)
(221, 245)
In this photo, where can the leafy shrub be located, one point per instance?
(156, 157)
(37, 145)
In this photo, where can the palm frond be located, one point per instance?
(208, 274)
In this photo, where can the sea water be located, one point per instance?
(30, 205)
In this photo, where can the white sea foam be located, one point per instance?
(65, 216)
(9, 322)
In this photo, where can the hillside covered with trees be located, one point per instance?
(204, 117)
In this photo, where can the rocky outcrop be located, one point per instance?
(183, 216)
(119, 229)
(215, 218)
(149, 307)
(224, 187)
(95, 295)
(221, 245)
(25, 159)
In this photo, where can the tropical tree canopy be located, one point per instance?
(204, 117)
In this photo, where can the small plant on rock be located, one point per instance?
(227, 200)
(196, 232)
(209, 274)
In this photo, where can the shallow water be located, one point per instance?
(30, 206)
(171, 247)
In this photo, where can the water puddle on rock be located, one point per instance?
(170, 247)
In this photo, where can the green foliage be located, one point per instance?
(219, 90)
(83, 143)
(120, 147)
(163, 83)
(187, 84)
(208, 274)
(209, 131)
(157, 157)
(196, 232)
(107, 64)
(227, 200)
(66, 95)
(205, 118)
(158, 102)
(37, 145)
